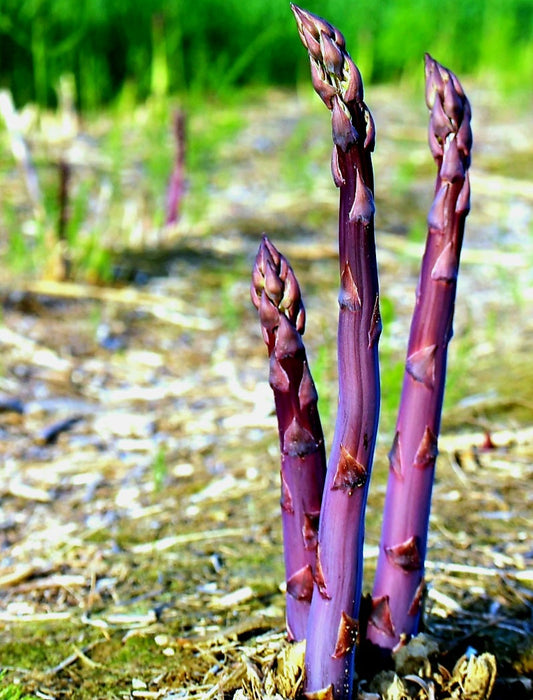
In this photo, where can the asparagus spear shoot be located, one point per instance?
(333, 619)
(276, 295)
(399, 579)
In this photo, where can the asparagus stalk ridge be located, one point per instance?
(399, 582)
(276, 295)
(333, 619)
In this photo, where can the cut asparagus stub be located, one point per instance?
(399, 577)
(334, 612)
(276, 294)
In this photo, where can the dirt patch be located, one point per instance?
(140, 535)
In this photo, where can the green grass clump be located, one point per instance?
(12, 691)
(159, 47)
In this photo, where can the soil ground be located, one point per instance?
(140, 544)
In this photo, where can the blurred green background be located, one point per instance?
(150, 47)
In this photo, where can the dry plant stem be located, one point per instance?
(65, 177)
(21, 152)
(333, 620)
(276, 294)
(399, 579)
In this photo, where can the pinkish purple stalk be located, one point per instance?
(276, 295)
(399, 578)
(335, 575)
(176, 187)
(333, 619)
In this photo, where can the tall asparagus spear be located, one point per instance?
(276, 295)
(333, 620)
(399, 579)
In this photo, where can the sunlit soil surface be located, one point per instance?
(140, 535)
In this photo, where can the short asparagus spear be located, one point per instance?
(276, 295)
(399, 579)
(333, 620)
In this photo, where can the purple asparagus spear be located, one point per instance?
(399, 579)
(176, 186)
(276, 295)
(333, 620)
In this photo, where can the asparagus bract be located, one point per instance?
(399, 579)
(276, 295)
(333, 620)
